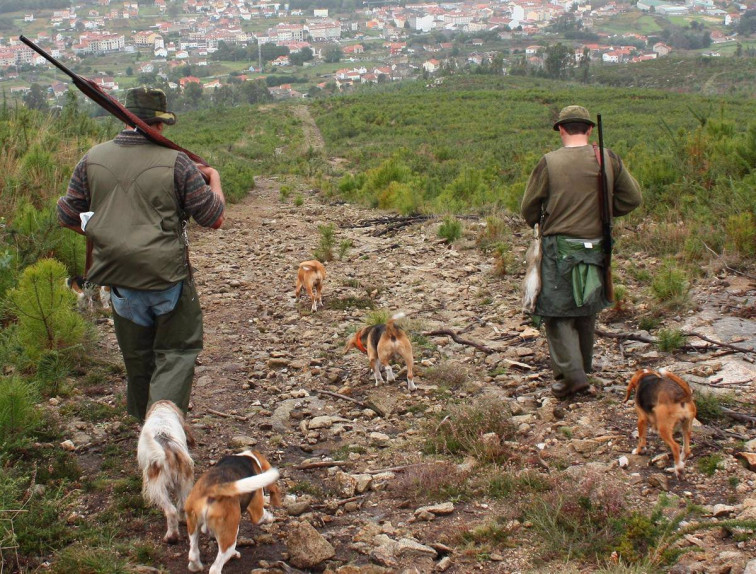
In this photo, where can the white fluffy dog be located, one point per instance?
(167, 468)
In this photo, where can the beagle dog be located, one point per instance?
(167, 468)
(380, 343)
(216, 502)
(311, 275)
(85, 293)
(665, 401)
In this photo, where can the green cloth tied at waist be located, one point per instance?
(572, 277)
(585, 257)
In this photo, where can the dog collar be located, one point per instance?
(360, 346)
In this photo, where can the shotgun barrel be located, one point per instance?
(606, 216)
(112, 105)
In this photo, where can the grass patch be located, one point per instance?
(709, 464)
(343, 303)
(709, 407)
(670, 286)
(505, 485)
(478, 430)
(447, 374)
(670, 340)
(432, 482)
(450, 230)
(306, 487)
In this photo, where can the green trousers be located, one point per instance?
(571, 347)
(160, 359)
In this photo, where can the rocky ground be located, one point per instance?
(273, 377)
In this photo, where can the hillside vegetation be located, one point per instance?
(465, 145)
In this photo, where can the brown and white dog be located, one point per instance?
(311, 275)
(86, 293)
(167, 468)
(380, 343)
(217, 499)
(665, 401)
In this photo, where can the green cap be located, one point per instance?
(573, 115)
(149, 104)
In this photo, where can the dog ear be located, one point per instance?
(633, 384)
(189, 436)
(351, 342)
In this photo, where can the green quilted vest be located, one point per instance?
(136, 229)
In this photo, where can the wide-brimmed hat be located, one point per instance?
(573, 115)
(149, 104)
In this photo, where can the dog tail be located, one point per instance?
(391, 329)
(672, 377)
(249, 484)
(635, 381)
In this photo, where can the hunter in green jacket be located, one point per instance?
(562, 195)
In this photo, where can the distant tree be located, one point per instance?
(559, 61)
(299, 58)
(747, 24)
(585, 65)
(270, 52)
(193, 95)
(332, 53)
(129, 71)
(255, 92)
(36, 98)
(225, 96)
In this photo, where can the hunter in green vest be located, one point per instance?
(133, 199)
(562, 196)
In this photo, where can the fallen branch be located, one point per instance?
(457, 339)
(394, 468)
(228, 415)
(341, 502)
(321, 464)
(351, 400)
(641, 339)
(742, 417)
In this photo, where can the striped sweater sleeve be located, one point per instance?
(194, 195)
(77, 196)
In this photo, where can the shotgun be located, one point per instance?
(606, 217)
(112, 105)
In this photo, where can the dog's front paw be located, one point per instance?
(195, 566)
(639, 450)
(267, 517)
(411, 386)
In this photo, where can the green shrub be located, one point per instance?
(670, 340)
(709, 464)
(324, 251)
(345, 246)
(708, 407)
(503, 259)
(18, 415)
(741, 233)
(670, 285)
(450, 229)
(299, 200)
(284, 192)
(52, 369)
(44, 307)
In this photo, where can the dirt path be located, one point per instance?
(268, 359)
